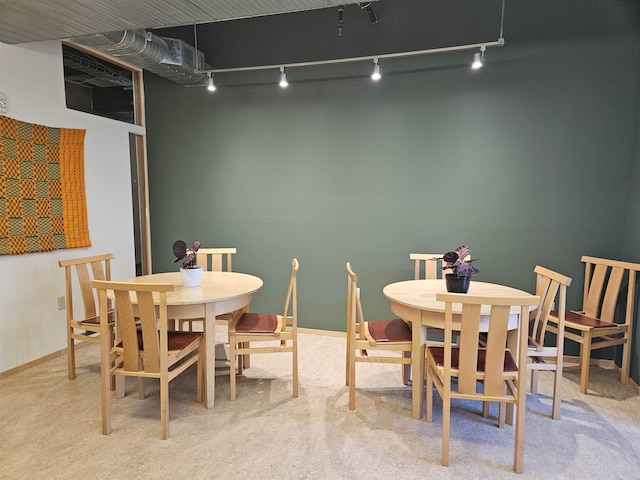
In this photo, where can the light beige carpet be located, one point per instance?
(50, 427)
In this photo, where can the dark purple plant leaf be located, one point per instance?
(450, 257)
(179, 250)
(196, 246)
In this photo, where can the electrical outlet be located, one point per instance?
(61, 303)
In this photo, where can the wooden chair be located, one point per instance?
(212, 260)
(594, 327)
(261, 327)
(145, 347)
(425, 267)
(549, 285)
(85, 327)
(493, 366)
(364, 337)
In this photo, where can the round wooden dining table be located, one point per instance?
(220, 292)
(415, 302)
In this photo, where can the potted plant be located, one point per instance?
(190, 273)
(462, 269)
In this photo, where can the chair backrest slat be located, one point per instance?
(468, 341)
(216, 259)
(149, 325)
(127, 330)
(425, 267)
(496, 341)
(290, 317)
(548, 284)
(355, 315)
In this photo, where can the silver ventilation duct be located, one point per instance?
(169, 58)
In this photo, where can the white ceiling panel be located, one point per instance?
(23, 21)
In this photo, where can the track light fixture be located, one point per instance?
(478, 58)
(376, 70)
(370, 11)
(340, 20)
(283, 78)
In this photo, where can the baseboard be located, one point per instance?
(38, 361)
(326, 333)
(604, 363)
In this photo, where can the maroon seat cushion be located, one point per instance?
(438, 355)
(582, 319)
(257, 323)
(175, 340)
(96, 320)
(181, 340)
(395, 330)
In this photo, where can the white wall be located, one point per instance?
(31, 77)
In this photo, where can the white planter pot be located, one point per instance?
(191, 277)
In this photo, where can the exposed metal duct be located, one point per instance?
(169, 58)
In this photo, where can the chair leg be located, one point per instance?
(295, 368)
(71, 355)
(446, 426)
(164, 407)
(557, 391)
(199, 377)
(518, 454)
(119, 381)
(406, 369)
(347, 363)
(105, 383)
(429, 396)
(534, 382)
(585, 357)
(246, 362)
(234, 360)
(352, 379)
(626, 361)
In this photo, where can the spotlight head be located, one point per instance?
(210, 86)
(375, 76)
(283, 78)
(477, 61)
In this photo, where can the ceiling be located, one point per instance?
(23, 21)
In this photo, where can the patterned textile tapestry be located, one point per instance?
(42, 197)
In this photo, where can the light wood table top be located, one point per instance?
(220, 292)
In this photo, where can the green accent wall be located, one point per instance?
(531, 160)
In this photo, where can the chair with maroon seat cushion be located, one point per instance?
(594, 327)
(549, 285)
(378, 335)
(85, 327)
(484, 373)
(265, 327)
(145, 348)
